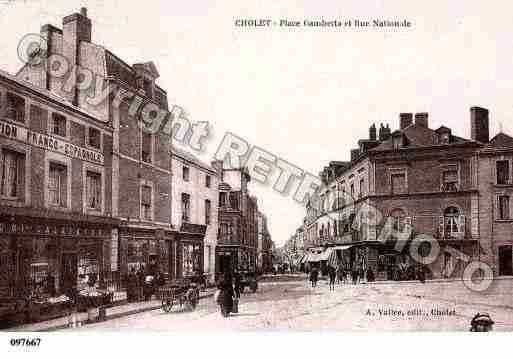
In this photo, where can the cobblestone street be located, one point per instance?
(292, 304)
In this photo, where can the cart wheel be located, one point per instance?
(167, 305)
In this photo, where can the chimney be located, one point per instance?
(372, 132)
(355, 154)
(421, 119)
(479, 124)
(75, 28)
(384, 133)
(405, 120)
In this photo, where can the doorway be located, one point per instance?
(505, 260)
(68, 279)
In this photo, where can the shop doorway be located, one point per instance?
(68, 280)
(225, 263)
(505, 260)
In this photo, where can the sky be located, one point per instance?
(305, 95)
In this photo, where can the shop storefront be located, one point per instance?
(42, 260)
(147, 250)
(190, 251)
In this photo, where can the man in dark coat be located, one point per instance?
(332, 273)
(237, 283)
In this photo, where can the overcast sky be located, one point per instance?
(306, 95)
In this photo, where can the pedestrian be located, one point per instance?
(332, 275)
(132, 286)
(237, 283)
(314, 276)
(140, 282)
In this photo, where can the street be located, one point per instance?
(289, 303)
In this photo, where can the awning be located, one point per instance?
(343, 247)
(312, 257)
(326, 254)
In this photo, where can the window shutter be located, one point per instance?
(461, 223)
(441, 226)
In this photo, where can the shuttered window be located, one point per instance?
(12, 176)
(146, 203)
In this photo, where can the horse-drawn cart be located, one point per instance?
(181, 292)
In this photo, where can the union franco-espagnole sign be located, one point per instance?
(50, 143)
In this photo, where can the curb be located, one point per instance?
(115, 316)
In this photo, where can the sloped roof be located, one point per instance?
(500, 141)
(187, 156)
(417, 136)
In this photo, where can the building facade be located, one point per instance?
(194, 211)
(56, 220)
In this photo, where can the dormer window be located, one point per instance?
(148, 87)
(445, 138)
(397, 142)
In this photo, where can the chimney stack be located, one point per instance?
(75, 29)
(405, 120)
(384, 132)
(479, 124)
(421, 119)
(372, 132)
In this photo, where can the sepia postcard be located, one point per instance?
(221, 167)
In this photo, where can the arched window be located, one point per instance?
(329, 230)
(398, 219)
(452, 221)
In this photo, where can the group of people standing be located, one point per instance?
(229, 289)
(339, 274)
(141, 285)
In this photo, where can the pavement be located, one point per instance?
(288, 303)
(113, 312)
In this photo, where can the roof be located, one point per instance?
(418, 136)
(189, 157)
(501, 141)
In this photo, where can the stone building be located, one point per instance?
(237, 238)
(195, 213)
(412, 178)
(116, 94)
(56, 211)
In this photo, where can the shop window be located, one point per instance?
(58, 126)
(222, 199)
(502, 172)
(208, 181)
(43, 267)
(450, 180)
(57, 185)
(88, 261)
(207, 212)
(146, 202)
(191, 262)
(93, 190)
(186, 207)
(398, 182)
(146, 147)
(185, 173)
(13, 169)
(234, 201)
(452, 223)
(94, 137)
(503, 202)
(15, 108)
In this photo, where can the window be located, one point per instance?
(58, 125)
(15, 108)
(452, 223)
(234, 201)
(13, 164)
(503, 207)
(185, 173)
(146, 147)
(93, 190)
(397, 142)
(352, 190)
(502, 172)
(362, 187)
(191, 259)
(94, 139)
(445, 138)
(208, 181)
(186, 207)
(398, 181)
(148, 87)
(222, 199)
(57, 185)
(207, 211)
(399, 220)
(450, 180)
(146, 202)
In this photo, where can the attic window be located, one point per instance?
(445, 138)
(397, 142)
(148, 87)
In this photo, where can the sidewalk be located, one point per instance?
(112, 313)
